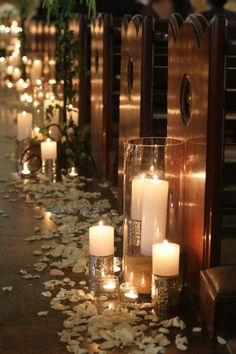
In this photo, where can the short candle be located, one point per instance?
(165, 259)
(48, 150)
(25, 171)
(73, 172)
(101, 240)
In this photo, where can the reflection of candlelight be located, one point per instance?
(25, 171)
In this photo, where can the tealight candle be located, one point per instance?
(109, 285)
(24, 125)
(48, 149)
(128, 292)
(165, 259)
(73, 172)
(154, 212)
(25, 172)
(101, 240)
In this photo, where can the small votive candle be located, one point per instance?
(128, 293)
(110, 285)
(117, 264)
(73, 173)
(25, 172)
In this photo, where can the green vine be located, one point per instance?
(67, 67)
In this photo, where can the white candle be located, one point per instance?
(24, 125)
(101, 240)
(48, 150)
(25, 170)
(154, 212)
(36, 70)
(73, 172)
(165, 258)
(137, 198)
(109, 286)
(131, 295)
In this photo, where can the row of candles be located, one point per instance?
(165, 259)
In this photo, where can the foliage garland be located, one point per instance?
(67, 56)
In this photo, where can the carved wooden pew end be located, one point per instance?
(217, 300)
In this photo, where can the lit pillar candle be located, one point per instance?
(36, 70)
(48, 150)
(154, 212)
(24, 125)
(101, 240)
(165, 259)
(137, 198)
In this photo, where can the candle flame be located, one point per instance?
(100, 223)
(36, 130)
(152, 168)
(48, 140)
(165, 243)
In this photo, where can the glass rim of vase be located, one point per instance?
(154, 141)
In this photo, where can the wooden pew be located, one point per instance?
(105, 49)
(142, 107)
(198, 99)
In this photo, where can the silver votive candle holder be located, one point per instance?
(101, 254)
(128, 293)
(109, 286)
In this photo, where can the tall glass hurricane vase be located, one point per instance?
(152, 203)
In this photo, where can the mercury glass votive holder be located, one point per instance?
(109, 286)
(128, 293)
(165, 295)
(99, 267)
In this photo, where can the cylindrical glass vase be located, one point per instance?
(153, 203)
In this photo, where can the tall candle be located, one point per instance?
(165, 258)
(48, 150)
(154, 212)
(137, 198)
(36, 70)
(24, 125)
(101, 240)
